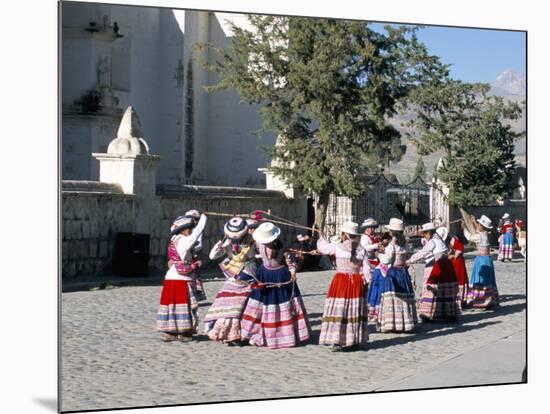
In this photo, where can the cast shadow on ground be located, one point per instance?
(509, 298)
(315, 319)
(422, 334)
(201, 338)
(474, 315)
(49, 403)
(433, 329)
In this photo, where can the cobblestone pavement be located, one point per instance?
(112, 357)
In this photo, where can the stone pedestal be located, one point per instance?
(129, 164)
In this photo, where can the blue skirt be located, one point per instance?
(274, 295)
(275, 316)
(508, 238)
(483, 272)
(397, 280)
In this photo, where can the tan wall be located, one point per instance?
(90, 222)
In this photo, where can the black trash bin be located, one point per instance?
(131, 255)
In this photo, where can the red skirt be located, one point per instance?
(175, 314)
(442, 272)
(460, 270)
(345, 314)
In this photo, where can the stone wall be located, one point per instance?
(231, 201)
(93, 213)
(443, 213)
(90, 222)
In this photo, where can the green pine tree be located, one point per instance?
(327, 88)
(473, 131)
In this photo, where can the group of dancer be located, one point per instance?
(260, 302)
(510, 234)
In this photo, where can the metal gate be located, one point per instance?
(384, 199)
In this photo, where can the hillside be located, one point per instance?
(510, 85)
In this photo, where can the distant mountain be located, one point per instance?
(508, 83)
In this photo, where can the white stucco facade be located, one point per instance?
(202, 138)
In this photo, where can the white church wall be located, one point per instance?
(143, 64)
(143, 74)
(231, 126)
(225, 152)
(171, 102)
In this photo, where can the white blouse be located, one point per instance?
(184, 245)
(433, 248)
(342, 252)
(397, 253)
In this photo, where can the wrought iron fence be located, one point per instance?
(383, 199)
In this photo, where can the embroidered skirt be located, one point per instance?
(223, 320)
(506, 246)
(397, 302)
(375, 294)
(177, 313)
(459, 266)
(345, 315)
(439, 293)
(482, 291)
(275, 317)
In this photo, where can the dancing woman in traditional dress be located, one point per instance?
(223, 320)
(370, 243)
(275, 315)
(456, 256)
(252, 225)
(177, 314)
(345, 315)
(506, 240)
(196, 252)
(483, 291)
(392, 304)
(440, 288)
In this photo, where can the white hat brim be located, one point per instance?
(487, 227)
(234, 235)
(266, 239)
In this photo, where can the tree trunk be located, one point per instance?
(321, 205)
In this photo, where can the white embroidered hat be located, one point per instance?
(428, 227)
(266, 233)
(350, 228)
(442, 232)
(395, 224)
(235, 228)
(369, 222)
(485, 222)
(194, 214)
(180, 224)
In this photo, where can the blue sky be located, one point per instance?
(476, 55)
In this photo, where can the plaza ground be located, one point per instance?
(112, 357)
